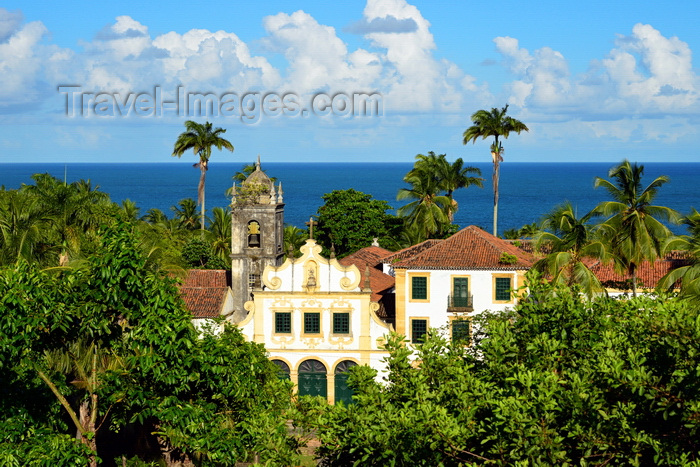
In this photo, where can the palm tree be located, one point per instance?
(186, 213)
(75, 209)
(247, 170)
(22, 228)
(494, 123)
(526, 231)
(220, 233)
(448, 177)
(689, 274)
(431, 176)
(129, 210)
(200, 138)
(294, 239)
(455, 176)
(633, 230)
(569, 241)
(84, 364)
(154, 216)
(427, 213)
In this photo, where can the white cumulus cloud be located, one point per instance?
(645, 74)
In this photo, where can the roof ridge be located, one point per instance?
(469, 248)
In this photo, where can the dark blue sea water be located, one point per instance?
(527, 190)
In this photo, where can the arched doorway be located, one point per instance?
(312, 379)
(282, 369)
(342, 392)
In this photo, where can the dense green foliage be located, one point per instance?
(350, 220)
(198, 254)
(561, 381)
(108, 350)
(52, 223)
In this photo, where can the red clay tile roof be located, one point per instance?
(648, 274)
(204, 302)
(205, 278)
(204, 292)
(410, 252)
(470, 248)
(370, 256)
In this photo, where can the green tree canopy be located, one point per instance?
(349, 220)
(110, 347)
(558, 382)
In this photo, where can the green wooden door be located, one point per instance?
(460, 291)
(343, 393)
(312, 379)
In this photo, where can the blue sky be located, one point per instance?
(594, 81)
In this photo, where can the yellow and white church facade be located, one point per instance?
(316, 319)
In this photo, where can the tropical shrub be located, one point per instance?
(560, 381)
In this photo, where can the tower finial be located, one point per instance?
(257, 164)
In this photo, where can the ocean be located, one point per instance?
(527, 190)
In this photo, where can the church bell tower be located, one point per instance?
(257, 234)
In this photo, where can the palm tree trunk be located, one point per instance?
(201, 192)
(496, 167)
(87, 420)
(496, 154)
(633, 272)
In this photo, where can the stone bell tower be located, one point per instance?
(257, 234)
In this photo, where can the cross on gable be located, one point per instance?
(311, 225)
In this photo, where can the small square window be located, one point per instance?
(460, 331)
(503, 288)
(419, 328)
(341, 323)
(312, 323)
(419, 288)
(283, 323)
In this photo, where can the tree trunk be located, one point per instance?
(201, 192)
(82, 420)
(496, 167)
(88, 424)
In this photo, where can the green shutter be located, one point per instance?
(460, 292)
(460, 331)
(341, 323)
(419, 288)
(419, 327)
(503, 288)
(283, 323)
(312, 323)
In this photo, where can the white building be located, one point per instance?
(316, 319)
(442, 283)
